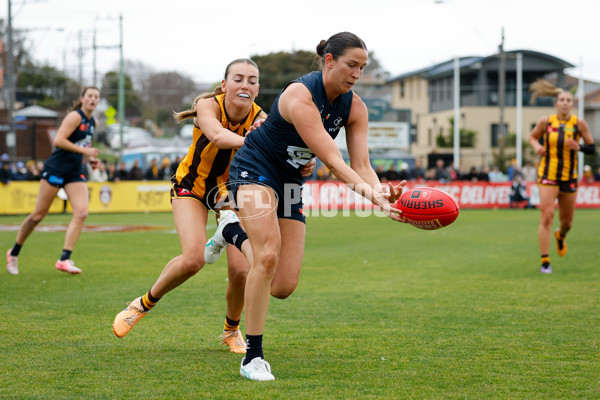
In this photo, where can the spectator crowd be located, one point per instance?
(102, 171)
(448, 173)
(115, 172)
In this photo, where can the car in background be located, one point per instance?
(187, 131)
(145, 155)
(132, 137)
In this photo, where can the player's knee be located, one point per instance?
(237, 277)
(268, 259)
(81, 215)
(546, 218)
(283, 291)
(566, 225)
(36, 218)
(191, 265)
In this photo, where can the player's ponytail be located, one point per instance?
(191, 112)
(338, 44)
(321, 48)
(542, 88)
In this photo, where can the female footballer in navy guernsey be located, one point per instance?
(266, 173)
(64, 169)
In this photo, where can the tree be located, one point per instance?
(165, 92)
(20, 53)
(374, 68)
(277, 69)
(46, 86)
(36, 83)
(467, 137)
(110, 91)
(140, 74)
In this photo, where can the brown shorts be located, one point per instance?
(565, 187)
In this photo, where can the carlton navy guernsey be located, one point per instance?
(69, 162)
(277, 141)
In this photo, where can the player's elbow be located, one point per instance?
(58, 142)
(218, 141)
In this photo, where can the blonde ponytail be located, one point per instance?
(542, 88)
(191, 112)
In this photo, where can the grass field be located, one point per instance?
(383, 310)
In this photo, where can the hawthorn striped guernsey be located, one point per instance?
(559, 163)
(205, 166)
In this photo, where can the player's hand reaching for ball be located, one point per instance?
(395, 191)
(381, 200)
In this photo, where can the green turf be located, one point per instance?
(383, 310)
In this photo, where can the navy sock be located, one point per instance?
(66, 254)
(15, 250)
(254, 348)
(235, 235)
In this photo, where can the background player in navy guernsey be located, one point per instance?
(302, 122)
(556, 139)
(64, 169)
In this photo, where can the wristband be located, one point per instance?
(588, 149)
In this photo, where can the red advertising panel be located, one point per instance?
(334, 195)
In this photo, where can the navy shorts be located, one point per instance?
(60, 179)
(253, 172)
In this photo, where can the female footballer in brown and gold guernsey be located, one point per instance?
(556, 139)
(221, 121)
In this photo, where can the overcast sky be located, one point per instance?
(199, 37)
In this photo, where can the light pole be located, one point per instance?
(121, 82)
(121, 85)
(11, 137)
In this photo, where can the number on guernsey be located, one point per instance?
(299, 156)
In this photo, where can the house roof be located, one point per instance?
(591, 98)
(447, 67)
(36, 112)
(410, 74)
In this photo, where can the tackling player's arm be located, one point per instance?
(358, 150)
(258, 121)
(208, 115)
(66, 129)
(296, 107)
(536, 133)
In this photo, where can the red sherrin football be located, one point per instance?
(428, 208)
